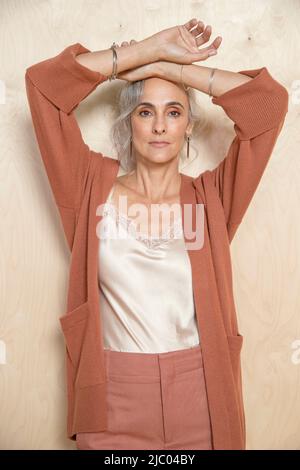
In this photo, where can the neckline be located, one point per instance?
(112, 190)
(174, 230)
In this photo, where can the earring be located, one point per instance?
(188, 147)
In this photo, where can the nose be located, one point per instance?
(159, 125)
(159, 129)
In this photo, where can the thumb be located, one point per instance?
(197, 56)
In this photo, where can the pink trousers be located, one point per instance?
(155, 401)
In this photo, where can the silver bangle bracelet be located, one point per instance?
(114, 70)
(210, 81)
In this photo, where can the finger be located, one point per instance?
(189, 39)
(215, 44)
(201, 55)
(204, 36)
(199, 28)
(190, 24)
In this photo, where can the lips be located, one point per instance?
(159, 144)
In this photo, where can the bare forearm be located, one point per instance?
(135, 55)
(197, 76)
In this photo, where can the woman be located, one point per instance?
(152, 341)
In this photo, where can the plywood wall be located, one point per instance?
(34, 255)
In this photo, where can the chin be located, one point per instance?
(160, 159)
(160, 156)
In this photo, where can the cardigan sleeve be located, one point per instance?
(258, 109)
(54, 89)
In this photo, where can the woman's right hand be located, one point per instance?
(140, 73)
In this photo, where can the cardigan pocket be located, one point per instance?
(74, 326)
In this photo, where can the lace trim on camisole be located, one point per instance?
(174, 231)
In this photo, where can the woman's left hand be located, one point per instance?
(181, 43)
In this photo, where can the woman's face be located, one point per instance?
(160, 121)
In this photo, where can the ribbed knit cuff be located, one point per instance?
(255, 106)
(63, 80)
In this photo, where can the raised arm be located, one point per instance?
(257, 104)
(258, 109)
(54, 89)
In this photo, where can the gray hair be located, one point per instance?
(120, 134)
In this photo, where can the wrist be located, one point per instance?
(149, 50)
(169, 70)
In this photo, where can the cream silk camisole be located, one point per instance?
(146, 299)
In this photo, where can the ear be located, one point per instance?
(189, 128)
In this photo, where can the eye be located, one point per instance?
(141, 113)
(145, 111)
(178, 113)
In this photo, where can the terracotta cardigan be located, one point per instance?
(81, 180)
